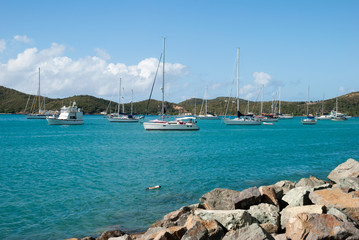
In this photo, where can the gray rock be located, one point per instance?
(230, 219)
(219, 199)
(341, 215)
(251, 232)
(248, 197)
(297, 196)
(310, 182)
(175, 218)
(349, 182)
(279, 236)
(290, 212)
(350, 168)
(151, 233)
(124, 237)
(267, 215)
(285, 186)
(108, 234)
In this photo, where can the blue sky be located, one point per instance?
(84, 47)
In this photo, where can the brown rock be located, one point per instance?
(172, 233)
(219, 199)
(88, 238)
(335, 197)
(350, 168)
(251, 232)
(316, 226)
(175, 218)
(199, 229)
(246, 198)
(269, 195)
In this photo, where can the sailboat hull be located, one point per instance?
(36, 116)
(166, 126)
(53, 121)
(241, 122)
(123, 120)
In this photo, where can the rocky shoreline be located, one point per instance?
(310, 209)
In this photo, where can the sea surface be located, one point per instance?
(58, 182)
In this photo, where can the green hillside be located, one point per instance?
(12, 101)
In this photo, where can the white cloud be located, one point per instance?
(62, 76)
(341, 89)
(102, 53)
(2, 45)
(23, 39)
(261, 78)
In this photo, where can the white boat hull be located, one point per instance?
(241, 122)
(169, 126)
(269, 119)
(208, 117)
(304, 122)
(36, 116)
(53, 121)
(123, 120)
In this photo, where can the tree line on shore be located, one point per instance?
(12, 101)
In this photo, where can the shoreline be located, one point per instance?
(312, 208)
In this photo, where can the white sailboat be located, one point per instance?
(206, 115)
(240, 119)
(122, 117)
(71, 115)
(180, 124)
(336, 115)
(310, 119)
(41, 113)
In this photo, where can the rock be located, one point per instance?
(317, 226)
(88, 238)
(230, 219)
(267, 215)
(124, 237)
(251, 232)
(350, 168)
(310, 182)
(108, 234)
(279, 236)
(349, 182)
(297, 196)
(175, 218)
(335, 197)
(290, 212)
(151, 233)
(199, 229)
(269, 195)
(172, 233)
(219, 199)
(285, 186)
(246, 198)
(339, 214)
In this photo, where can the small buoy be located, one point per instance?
(154, 187)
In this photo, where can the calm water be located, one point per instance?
(59, 182)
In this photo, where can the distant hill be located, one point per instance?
(12, 101)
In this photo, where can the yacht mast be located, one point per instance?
(205, 96)
(280, 91)
(123, 101)
(238, 83)
(308, 102)
(163, 81)
(262, 100)
(119, 99)
(131, 101)
(39, 93)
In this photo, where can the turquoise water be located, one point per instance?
(72, 181)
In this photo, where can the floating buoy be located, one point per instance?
(154, 187)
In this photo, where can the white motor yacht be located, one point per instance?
(71, 115)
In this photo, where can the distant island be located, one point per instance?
(14, 102)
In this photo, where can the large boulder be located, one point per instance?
(246, 198)
(219, 199)
(171, 233)
(283, 187)
(297, 196)
(267, 215)
(310, 182)
(124, 237)
(175, 218)
(290, 212)
(251, 232)
(269, 195)
(198, 229)
(350, 168)
(318, 226)
(335, 197)
(230, 219)
(349, 182)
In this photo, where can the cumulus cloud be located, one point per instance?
(341, 89)
(2, 45)
(102, 53)
(23, 39)
(62, 76)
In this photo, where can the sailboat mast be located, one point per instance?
(119, 99)
(323, 104)
(123, 101)
(39, 93)
(163, 80)
(262, 100)
(336, 104)
(205, 96)
(308, 102)
(131, 101)
(280, 91)
(238, 82)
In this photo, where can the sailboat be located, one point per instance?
(41, 113)
(206, 115)
(240, 120)
(336, 115)
(310, 119)
(179, 124)
(324, 116)
(122, 117)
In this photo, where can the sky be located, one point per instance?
(86, 47)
